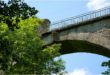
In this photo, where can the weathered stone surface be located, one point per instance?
(44, 27)
(96, 35)
(101, 38)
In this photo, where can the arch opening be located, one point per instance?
(75, 46)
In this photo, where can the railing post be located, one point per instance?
(78, 19)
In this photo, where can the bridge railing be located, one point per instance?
(81, 18)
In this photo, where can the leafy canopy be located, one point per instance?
(107, 65)
(13, 10)
(21, 49)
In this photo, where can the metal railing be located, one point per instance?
(81, 18)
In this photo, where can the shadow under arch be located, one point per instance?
(74, 46)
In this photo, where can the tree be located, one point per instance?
(13, 10)
(21, 50)
(106, 64)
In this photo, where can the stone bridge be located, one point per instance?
(88, 33)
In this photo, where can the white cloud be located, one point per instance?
(80, 72)
(97, 4)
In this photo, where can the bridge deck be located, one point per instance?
(85, 33)
(73, 21)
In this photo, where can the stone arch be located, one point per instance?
(74, 46)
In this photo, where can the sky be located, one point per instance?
(55, 10)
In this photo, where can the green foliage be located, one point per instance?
(21, 49)
(13, 10)
(22, 53)
(106, 64)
